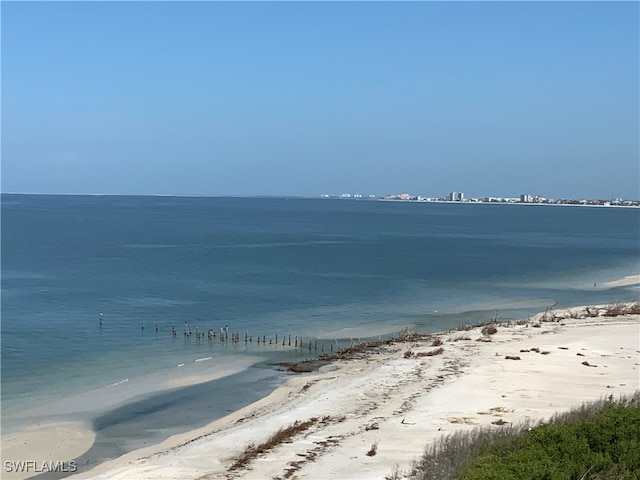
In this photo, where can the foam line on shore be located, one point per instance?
(118, 383)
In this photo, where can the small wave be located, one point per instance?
(285, 244)
(203, 359)
(181, 365)
(149, 245)
(150, 301)
(19, 275)
(118, 383)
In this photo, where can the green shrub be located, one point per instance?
(604, 446)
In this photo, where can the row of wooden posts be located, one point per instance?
(235, 337)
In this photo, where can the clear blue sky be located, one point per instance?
(310, 98)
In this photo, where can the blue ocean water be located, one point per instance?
(320, 269)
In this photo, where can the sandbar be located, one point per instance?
(43, 447)
(625, 282)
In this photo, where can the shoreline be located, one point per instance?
(384, 395)
(40, 406)
(433, 375)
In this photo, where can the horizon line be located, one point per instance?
(292, 196)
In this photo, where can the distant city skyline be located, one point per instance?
(312, 98)
(460, 197)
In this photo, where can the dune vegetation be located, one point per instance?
(598, 441)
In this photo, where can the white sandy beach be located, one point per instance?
(401, 403)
